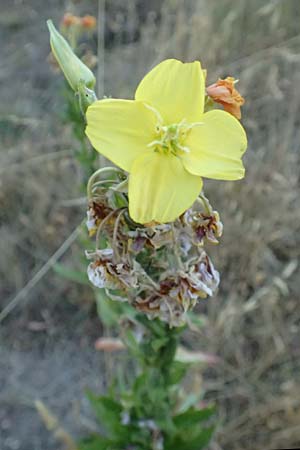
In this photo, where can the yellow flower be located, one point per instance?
(166, 142)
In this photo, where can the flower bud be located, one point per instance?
(109, 344)
(224, 92)
(88, 22)
(73, 68)
(70, 20)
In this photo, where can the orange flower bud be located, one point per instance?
(69, 20)
(109, 344)
(88, 22)
(224, 92)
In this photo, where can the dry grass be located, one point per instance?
(253, 324)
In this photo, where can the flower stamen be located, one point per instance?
(171, 138)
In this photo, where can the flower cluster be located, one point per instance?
(179, 291)
(150, 217)
(162, 270)
(86, 22)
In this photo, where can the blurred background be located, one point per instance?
(47, 339)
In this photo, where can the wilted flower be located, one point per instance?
(166, 308)
(95, 214)
(224, 92)
(179, 292)
(91, 222)
(166, 142)
(105, 272)
(211, 228)
(203, 278)
(155, 236)
(97, 271)
(159, 269)
(199, 281)
(205, 225)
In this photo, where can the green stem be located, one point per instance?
(95, 175)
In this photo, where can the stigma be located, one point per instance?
(171, 138)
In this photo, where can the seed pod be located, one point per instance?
(73, 68)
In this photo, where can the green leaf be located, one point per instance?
(198, 320)
(191, 399)
(177, 372)
(157, 344)
(156, 327)
(110, 311)
(199, 440)
(120, 200)
(107, 410)
(189, 434)
(168, 352)
(193, 416)
(132, 344)
(107, 309)
(71, 274)
(96, 442)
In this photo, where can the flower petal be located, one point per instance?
(160, 189)
(120, 129)
(175, 89)
(216, 147)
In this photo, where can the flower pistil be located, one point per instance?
(171, 138)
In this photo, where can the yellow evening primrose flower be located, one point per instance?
(166, 142)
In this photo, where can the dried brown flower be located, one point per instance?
(224, 92)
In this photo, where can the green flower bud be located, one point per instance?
(73, 68)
